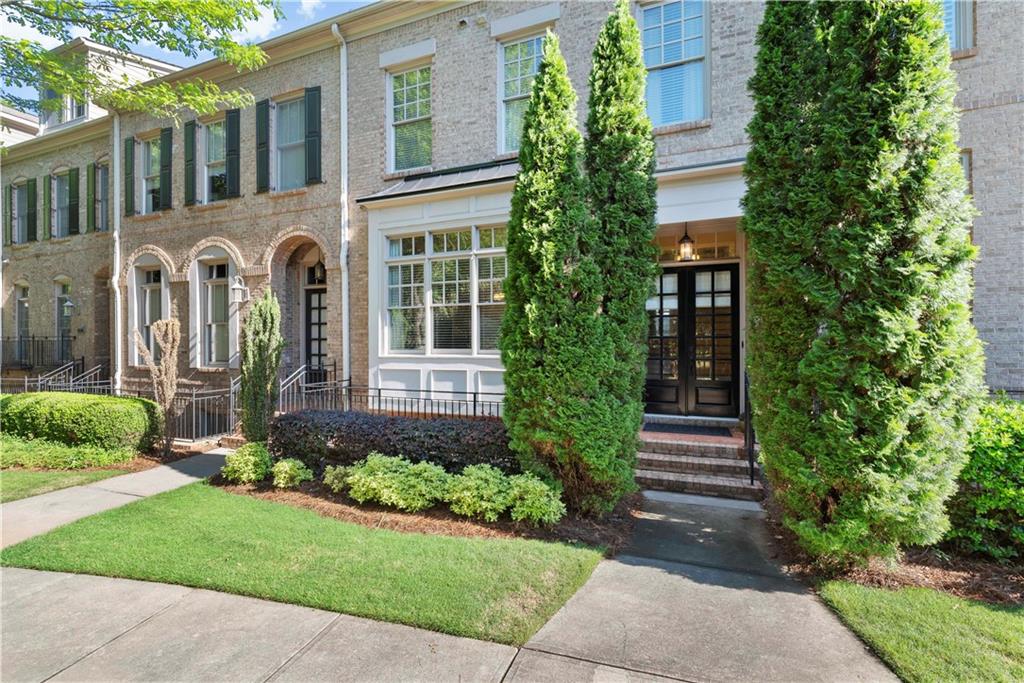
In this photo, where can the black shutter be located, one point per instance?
(129, 176)
(30, 235)
(232, 151)
(190, 163)
(90, 197)
(313, 135)
(8, 213)
(263, 146)
(165, 168)
(73, 201)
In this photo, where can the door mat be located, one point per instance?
(695, 430)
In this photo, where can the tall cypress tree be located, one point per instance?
(559, 418)
(262, 345)
(864, 365)
(621, 190)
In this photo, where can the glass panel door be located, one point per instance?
(663, 388)
(711, 338)
(316, 332)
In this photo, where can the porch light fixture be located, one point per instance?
(239, 292)
(319, 269)
(68, 306)
(686, 252)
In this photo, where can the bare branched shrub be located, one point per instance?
(166, 335)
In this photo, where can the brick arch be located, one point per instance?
(290, 238)
(150, 249)
(226, 245)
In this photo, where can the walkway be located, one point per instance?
(695, 598)
(29, 517)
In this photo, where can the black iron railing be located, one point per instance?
(27, 353)
(345, 396)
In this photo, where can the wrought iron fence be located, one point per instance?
(201, 413)
(36, 352)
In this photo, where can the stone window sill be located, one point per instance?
(406, 172)
(216, 206)
(147, 217)
(297, 192)
(965, 53)
(682, 127)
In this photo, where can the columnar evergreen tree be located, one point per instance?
(560, 419)
(261, 358)
(864, 365)
(621, 190)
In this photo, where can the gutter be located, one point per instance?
(115, 271)
(346, 338)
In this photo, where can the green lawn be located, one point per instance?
(15, 484)
(18, 452)
(198, 535)
(924, 635)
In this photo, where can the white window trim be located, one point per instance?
(142, 160)
(19, 236)
(196, 279)
(58, 297)
(136, 284)
(638, 15)
(209, 328)
(500, 89)
(202, 148)
(275, 167)
(389, 107)
(427, 258)
(58, 231)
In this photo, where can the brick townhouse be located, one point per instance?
(369, 187)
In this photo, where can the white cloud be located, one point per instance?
(308, 8)
(18, 32)
(259, 29)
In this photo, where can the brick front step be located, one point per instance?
(701, 484)
(732, 448)
(695, 464)
(233, 441)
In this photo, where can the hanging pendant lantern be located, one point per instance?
(686, 252)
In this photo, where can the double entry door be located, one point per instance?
(316, 333)
(693, 341)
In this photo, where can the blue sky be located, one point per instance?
(298, 13)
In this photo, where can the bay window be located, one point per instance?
(290, 121)
(674, 47)
(215, 313)
(411, 127)
(462, 309)
(520, 61)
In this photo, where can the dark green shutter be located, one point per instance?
(8, 196)
(30, 229)
(190, 163)
(90, 198)
(232, 149)
(129, 176)
(47, 212)
(73, 201)
(165, 168)
(263, 146)
(313, 135)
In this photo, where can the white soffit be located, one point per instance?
(524, 21)
(408, 54)
(700, 198)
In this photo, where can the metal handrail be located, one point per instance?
(748, 426)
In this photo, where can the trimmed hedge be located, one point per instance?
(112, 422)
(987, 513)
(321, 438)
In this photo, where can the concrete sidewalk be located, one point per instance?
(29, 517)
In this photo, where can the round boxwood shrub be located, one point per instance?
(247, 465)
(112, 422)
(987, 513)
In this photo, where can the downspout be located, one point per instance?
(346, 339)
(115, 275)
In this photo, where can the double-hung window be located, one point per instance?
(520, 61)
(64, 309)
(150, 306)
(291, 150)
(61, 203)
(20, 218)
(462, 308)
(21, 321)
(151, 175)
(958, 20)
(411, 128)
(216, 185)
(675, 46)
(102, 197)
(215, 314)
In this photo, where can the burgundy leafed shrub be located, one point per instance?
(320, 438)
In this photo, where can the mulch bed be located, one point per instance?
(611, 533)
(965, 577)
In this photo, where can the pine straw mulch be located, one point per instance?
(965, 577)
(609, 533)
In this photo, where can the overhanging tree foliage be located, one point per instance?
(864, 364)
(261, 358)
(187, 27)
(621, 190)
(559, 418)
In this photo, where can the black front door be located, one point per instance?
(693, 342)
(316, 329)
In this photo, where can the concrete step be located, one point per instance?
(701, 484)
(684, 445)
(695, 464)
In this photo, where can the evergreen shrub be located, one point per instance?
(289, 473)
(249, 464)
(109, 422)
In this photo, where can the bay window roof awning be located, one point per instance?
(448, 179)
